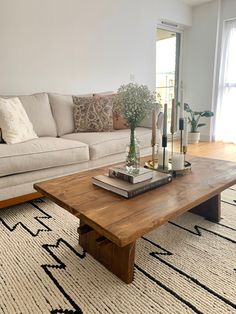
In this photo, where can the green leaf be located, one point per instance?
(201, 124)
(187, 108)
(207, 114)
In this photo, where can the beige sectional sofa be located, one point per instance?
(58, 150)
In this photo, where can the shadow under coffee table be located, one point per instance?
(111, 224)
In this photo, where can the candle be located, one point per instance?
(154, 127)
(181, 110)
(165, 121)
(161, 155)
(185, 138)
(173, 117)
(178, 162)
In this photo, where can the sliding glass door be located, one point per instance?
(167, 67)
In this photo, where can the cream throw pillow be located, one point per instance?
(14, 122)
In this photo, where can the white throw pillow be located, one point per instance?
(14, 122)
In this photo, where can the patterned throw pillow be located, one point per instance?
(93, 114)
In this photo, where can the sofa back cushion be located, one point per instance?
(62, 110)
(38, 109)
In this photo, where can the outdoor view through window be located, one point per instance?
(167, 67)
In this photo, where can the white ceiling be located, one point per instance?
(195, 2)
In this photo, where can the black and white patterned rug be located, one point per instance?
(185, 266)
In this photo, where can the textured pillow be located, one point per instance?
(93, 114)
(14, 122)
(119, 122)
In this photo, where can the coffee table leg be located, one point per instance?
(210, 209)
(119, 260)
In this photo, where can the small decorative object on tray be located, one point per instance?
(129, 190)
(177, 162)
(180, 172)
(163, 160)
(121, 173)
(172, 169)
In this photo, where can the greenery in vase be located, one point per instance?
(195, 116)
(133, 102)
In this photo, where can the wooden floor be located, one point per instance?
(217, 150)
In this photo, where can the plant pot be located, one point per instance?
(193, 137)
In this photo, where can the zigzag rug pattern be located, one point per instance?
(185, 266)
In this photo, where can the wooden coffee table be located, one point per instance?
(111, 224)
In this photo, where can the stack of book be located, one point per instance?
(121, 182)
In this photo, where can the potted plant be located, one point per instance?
(194, 120)
(133, 102)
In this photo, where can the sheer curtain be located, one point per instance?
(225, 128)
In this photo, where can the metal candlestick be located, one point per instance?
(164, 145)
(185, 152)
(181, 128)
(163, 159)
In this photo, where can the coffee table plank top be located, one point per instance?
(123, 221)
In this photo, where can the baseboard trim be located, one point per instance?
(19, 199)
(205, 138)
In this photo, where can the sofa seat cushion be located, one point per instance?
(103, 144)
(41, 153)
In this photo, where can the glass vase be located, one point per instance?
(132, 161)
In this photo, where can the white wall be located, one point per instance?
(228, 9)
(78, 46)
(202, 56)
(199, 60)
